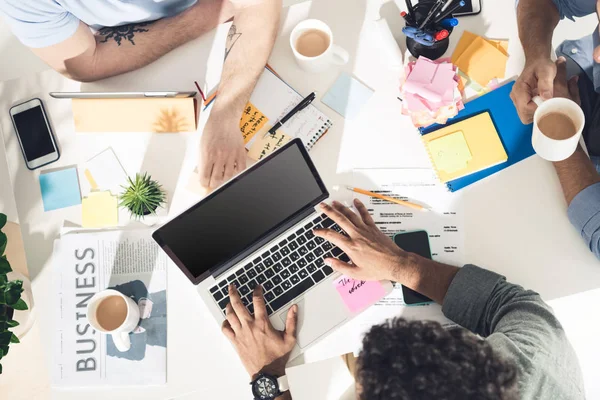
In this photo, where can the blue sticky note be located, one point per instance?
(347, 96)
(60, 189)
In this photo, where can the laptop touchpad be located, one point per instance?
(318, 313)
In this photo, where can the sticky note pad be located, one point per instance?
(358, 295)
(480, 59)
(450, 153)
(252, 121)
(347, 96)
(60, 189)
(99, 210)
(261, 146)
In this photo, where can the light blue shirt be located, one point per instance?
(43, 23)
(582, 50)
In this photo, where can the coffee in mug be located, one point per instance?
(313, 46)
(557, 126)
(312, 43)
(111, 312)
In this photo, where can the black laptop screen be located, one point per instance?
(231, 220)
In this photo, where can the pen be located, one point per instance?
(409, 9)
(391, 199)
(434, 9)
(301, 106)
(448, 23)
(441, 35)
(448, 2)
(406, 17)
(449, 11)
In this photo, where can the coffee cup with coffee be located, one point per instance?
(557, 127)
(312, 44)
(113, 313)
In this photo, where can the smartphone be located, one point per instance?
(414, 242)
(471, 7)
(32, 127)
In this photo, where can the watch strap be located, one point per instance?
(283, 384)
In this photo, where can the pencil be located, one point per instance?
(391, 199)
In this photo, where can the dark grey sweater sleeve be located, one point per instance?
(519, 325)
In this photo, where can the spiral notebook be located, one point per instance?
(272, 99)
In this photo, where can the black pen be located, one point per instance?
(434, 9)
(301, 106)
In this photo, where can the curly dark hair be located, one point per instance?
(415, 360)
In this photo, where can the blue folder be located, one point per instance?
(515, 136)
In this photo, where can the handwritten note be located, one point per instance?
(358, 295)
(252, 121)
(261, 146)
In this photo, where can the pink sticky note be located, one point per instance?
(358, 295)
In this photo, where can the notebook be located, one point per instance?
(465, 147)
(271, 100)
(515, 136)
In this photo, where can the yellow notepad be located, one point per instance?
(481, 59)
(99, 210)
(465, 147)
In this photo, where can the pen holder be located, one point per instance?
(438, 48)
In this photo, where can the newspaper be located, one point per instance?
(86, 263)
(444, 223)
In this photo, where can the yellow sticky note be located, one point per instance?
(481, 59)
(263, 146)
(450, 153)
(252, 121)
(99, 210)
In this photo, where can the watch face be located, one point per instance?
(265, 388)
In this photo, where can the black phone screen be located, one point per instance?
(33, 131)
(467, 8)
(414, 242)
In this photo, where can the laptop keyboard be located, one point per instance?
(286, 270)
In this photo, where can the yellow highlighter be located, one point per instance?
(390, 199)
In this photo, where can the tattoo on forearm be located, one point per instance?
(232, 38)
(118, 33)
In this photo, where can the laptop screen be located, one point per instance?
(245, 213)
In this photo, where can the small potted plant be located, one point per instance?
(142, 196)
(10, 297)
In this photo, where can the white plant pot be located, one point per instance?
(25, 318)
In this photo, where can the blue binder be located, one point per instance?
(515, 136)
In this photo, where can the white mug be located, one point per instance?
(334, 54)
(120, 334)
(556, 149)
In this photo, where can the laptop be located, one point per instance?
(258, 229)
(120, 95)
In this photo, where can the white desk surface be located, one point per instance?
(515, 221)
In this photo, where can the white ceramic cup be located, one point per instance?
(333, 55)
(554, 149)
(120, 335)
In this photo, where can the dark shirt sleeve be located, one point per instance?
(584, 214)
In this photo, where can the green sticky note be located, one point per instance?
(451, 152)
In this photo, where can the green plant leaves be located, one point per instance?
(20, 305)
(12, 292)
(142, 196)
(12, 323)
(3, 242)
(2, 220)
(4, 266)
(14, 339)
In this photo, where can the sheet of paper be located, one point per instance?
(261, 146)
(358, 295)
(450, 153)
(99, 210)
(347, 96)
(444, 223)
(252, 121)
(102, 172)
(60, 189)
(329, 380)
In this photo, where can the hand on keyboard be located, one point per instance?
(374, 255)
(261, 347)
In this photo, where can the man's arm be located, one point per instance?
(537, 20)
(575, 174)
(113, 51)
(249, 44)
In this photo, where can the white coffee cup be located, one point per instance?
(334, 54)
(120, 334)
(556, 149)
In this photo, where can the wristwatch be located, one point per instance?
(267, 387)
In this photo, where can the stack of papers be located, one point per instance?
(430, 92)
(482, 60)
